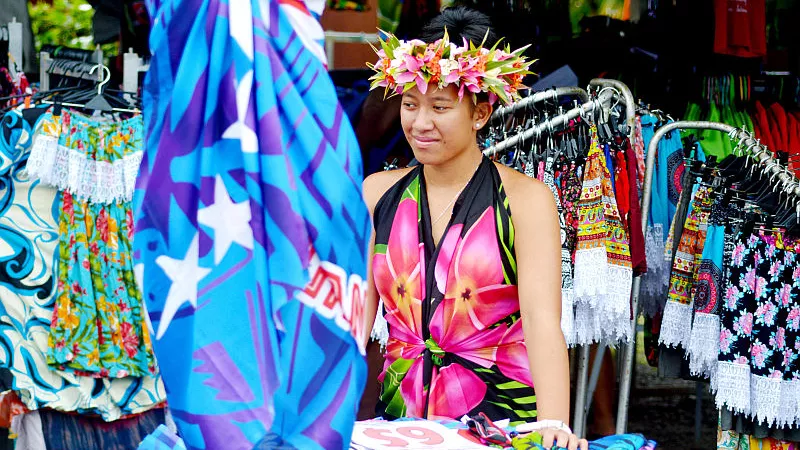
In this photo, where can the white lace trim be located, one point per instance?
(765, 399)
(618, 297)
(704, 345)
(653, 289)
(587, 325)
(568, 316)
(773, 402)
(380, 328)
(676, 325)
(591, 271)
(72, 171)
(733, 386)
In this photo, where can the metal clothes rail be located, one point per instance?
(537, 97)
(608, 90)
(750, 147)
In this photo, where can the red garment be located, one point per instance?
(623, 190)
(634, 220)
(765, 133)
(740, 28)
(780, 136)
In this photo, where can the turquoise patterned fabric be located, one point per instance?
(28, 239)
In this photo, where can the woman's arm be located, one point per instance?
(538, 252)
(373, 188)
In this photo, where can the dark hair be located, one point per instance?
(461, 23)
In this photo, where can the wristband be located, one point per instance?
(542, 424)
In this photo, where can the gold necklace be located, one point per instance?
(446, 208)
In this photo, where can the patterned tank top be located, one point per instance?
(455, 336)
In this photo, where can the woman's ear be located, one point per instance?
(481, 114)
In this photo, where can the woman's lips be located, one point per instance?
(425, 141)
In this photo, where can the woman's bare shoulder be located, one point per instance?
(378, 183)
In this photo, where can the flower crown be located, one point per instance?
(405, 64)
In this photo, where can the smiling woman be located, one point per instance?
(473, 307)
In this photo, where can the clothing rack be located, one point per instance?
(132, 66)
(334, 37)
(607, 91)
(73, 69)
(14, 30)
(754, 150)
(537, 97)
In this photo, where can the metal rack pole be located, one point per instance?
(627, 97)
(630, 348)
(552, 123)
(540, 96)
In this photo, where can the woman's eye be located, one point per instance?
(439, 108)
(408, 105)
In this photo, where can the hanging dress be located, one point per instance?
(456, 344)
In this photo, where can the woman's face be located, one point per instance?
(438, 126)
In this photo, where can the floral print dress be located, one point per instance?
(98, 327)
(456, 344)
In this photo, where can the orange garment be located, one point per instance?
(10, 407)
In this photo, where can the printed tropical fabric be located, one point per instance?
(29, 237)
(251, 232)
(731, 440)
(452, 309)
(98, 326)
(93, 159)
(758, 369)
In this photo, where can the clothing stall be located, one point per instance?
(76, 362)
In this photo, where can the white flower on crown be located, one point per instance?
(447, 66)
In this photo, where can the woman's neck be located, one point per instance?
(454, 173)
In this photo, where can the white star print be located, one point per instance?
(230, 221)
(239, 130)
(185, 275)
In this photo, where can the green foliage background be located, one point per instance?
(65, 22)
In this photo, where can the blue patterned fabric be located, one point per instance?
(251, 232)
(28, 241)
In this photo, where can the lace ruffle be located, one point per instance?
(587, 325)
(676, 325)
(704, 345)
(568, 316)
(653, 288)
(591, 272)
(73, 171)
(733, 386)
(380, 328)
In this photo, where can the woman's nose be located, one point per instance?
(423, 120)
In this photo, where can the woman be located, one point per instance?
(463, 293)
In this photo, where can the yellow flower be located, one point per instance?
(72, 321)
(94, 357)
(63, 306)
(102, 305)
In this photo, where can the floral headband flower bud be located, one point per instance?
(403, 65)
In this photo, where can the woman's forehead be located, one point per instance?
(449, 93)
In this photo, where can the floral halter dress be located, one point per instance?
(456, 344)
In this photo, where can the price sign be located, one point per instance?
(415, 435)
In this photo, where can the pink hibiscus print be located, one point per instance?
(731, 297)
(765, 313)
(469, 273)
(793, 319)
(778, 338)
(758, 353)
(744, 325)
(398, 276)
(725, 340)
(738, 254)
(130, 341)
(785, 294)
(129, 223)
(788, 357)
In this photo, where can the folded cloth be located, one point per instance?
(162, 439)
